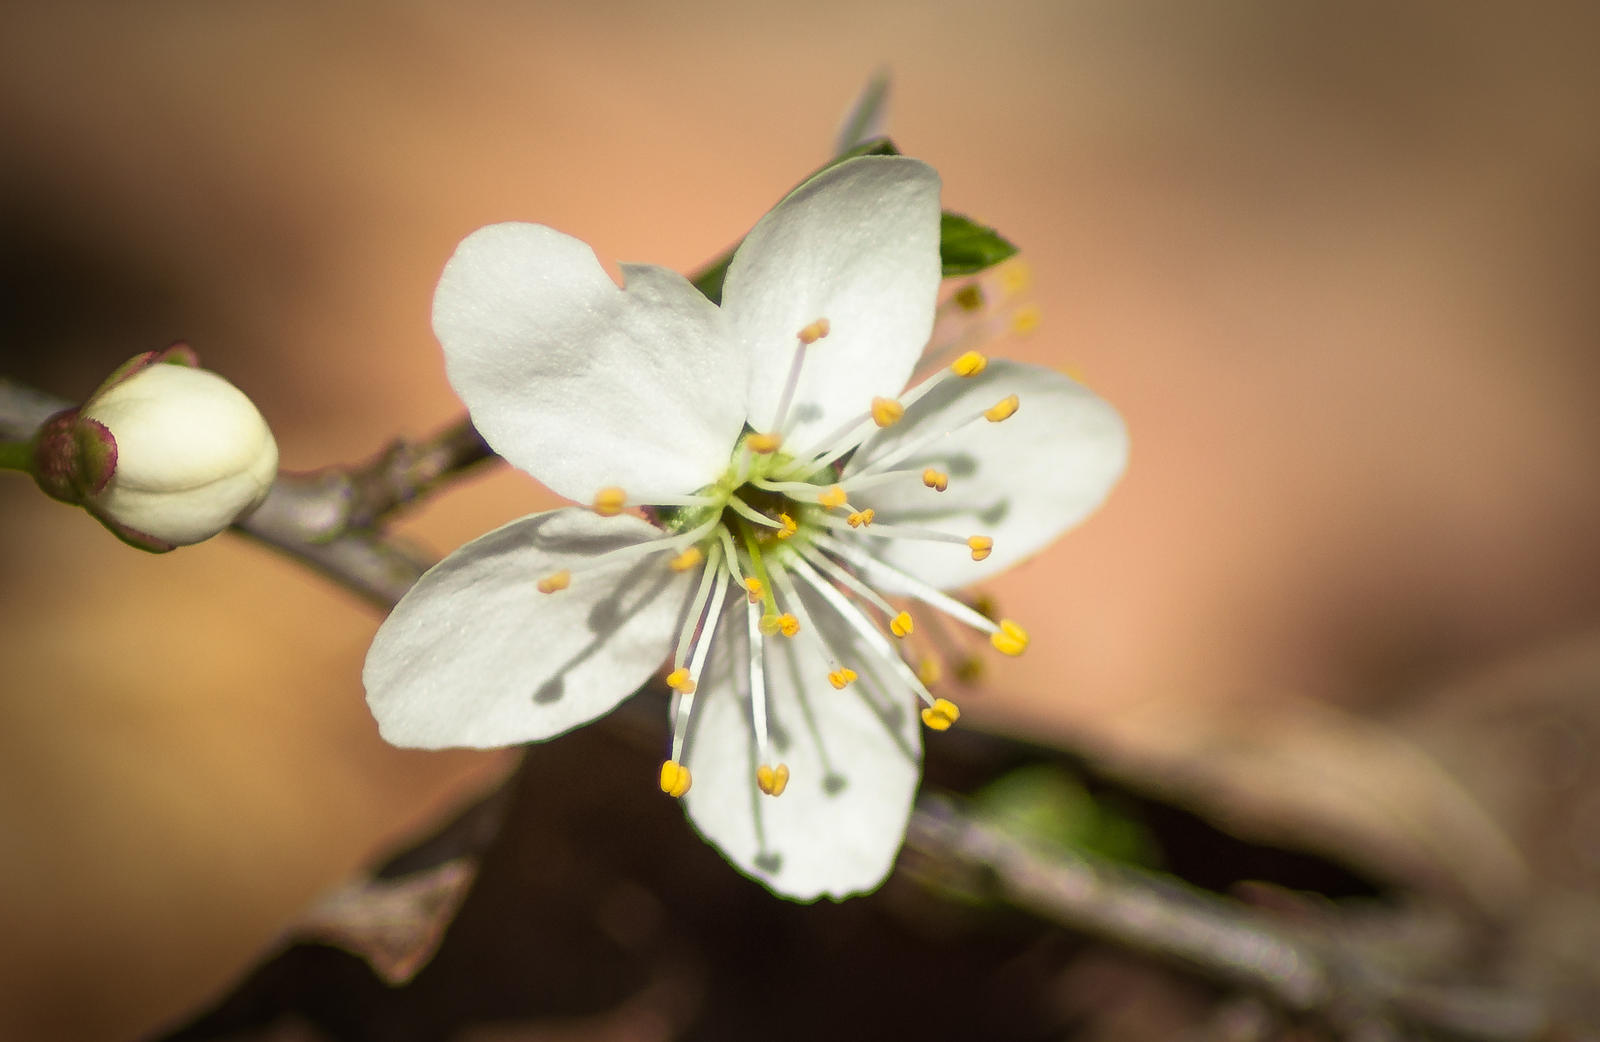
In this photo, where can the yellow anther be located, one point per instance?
(688, 559)
(886, 412)
(788, 625)
(941, 714)
(764, 443)
(1003, 409)
(937, 480)
(970, 364)
(982, 546)
(900, 625)
(1026, 320)
(754, 588)
(772, 780)
(969, 669)
(608, 502)
(1015, 277)
(842, 678)
(675, 780)
(814, 332)
(680, 681)
(1011, 638)
(789, 527)
(928, 670)
(969, 297)
(556, 581)
(833, 497)
(862, 517)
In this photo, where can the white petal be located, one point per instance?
(579, 383)
(854, 762)
(475, 655)
(858, 245)
(1021, 482)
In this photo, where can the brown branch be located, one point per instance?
(1368, 987)
(326, 519)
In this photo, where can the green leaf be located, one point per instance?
(967, 247)
(1044, 803)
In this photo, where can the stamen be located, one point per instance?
(870, 566)
(675, 779)
(608, 502)
(836, 672)
(750, 513)
(901, 625)
(809, 335)
(789, 527)
(786, 624)
(772, 780)
(937, 480)
(917, 445)
(755, 589)
(764, 444)
(694, 618)
(928, 670)
(981, 545)
(560, 580)
(941, 714)
(758, 683)
(969, 297)
(687, 560)
(886, 412)
(870, 636)
(969, 364)
(861, 517)
(1026, 320)
(680, 681)
(696, 667)
(1003, 409)
(814, 332)
(1011, 639)
(1015, 277)
(931, 535)
(833, 497)
(840, 575)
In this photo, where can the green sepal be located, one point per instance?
(179, 353)
(55, 457)
(135, 538)
(967, 247)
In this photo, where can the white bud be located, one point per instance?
(193, 453)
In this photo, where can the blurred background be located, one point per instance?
(1335, 263)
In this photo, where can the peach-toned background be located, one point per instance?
(1335, 263)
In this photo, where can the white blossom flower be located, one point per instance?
(788, 485)
(191, 455)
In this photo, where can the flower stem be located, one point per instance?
(16, 455)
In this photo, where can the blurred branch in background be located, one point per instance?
(1412, 970)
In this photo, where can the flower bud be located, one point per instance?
(163, 453)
